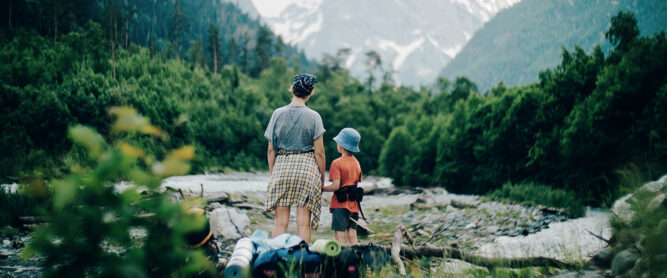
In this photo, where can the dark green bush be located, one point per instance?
(14, 205)
(537, 194)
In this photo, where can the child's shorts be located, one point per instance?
(341, 219)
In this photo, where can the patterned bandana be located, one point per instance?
(304, 82)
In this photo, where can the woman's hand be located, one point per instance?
(320, 157)
(270, 157)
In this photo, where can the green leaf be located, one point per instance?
(89, 139)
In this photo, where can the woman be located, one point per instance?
(296, 161)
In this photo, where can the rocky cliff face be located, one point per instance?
(415, 39)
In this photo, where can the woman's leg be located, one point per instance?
(303, 223)
(281, 221)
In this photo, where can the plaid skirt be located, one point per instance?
(295, 182)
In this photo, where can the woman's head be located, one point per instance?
(303, 85)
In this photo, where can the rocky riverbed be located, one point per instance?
(432, 216)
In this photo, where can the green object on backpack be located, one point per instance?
(329, 247)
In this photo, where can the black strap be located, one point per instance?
(362, 212)
(347, 189)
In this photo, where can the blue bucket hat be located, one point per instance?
(348, 138)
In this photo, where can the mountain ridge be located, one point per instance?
(521, 41)
(401, 32)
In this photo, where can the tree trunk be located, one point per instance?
(55, 25)
(113, 49)
(215, 59)
(10, 14)
(127, 31)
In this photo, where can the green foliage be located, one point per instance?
(537, 194)
(585, 119)
(91, 223)
(16, 204)
(648, 230)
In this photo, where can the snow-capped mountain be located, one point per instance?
(416, 39)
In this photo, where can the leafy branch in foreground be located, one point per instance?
(98, 230)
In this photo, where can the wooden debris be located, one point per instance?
(362, 226)
(248, 206)
(396, 249)
(217, 198)
(455, 253)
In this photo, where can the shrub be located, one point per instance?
(91, 224)
(531, 193)
(15, 204)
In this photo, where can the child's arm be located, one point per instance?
(332, 187)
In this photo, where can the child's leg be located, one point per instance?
(339, 224)
(340, 237)
(352, 236)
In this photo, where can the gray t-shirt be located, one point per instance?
(294, 128)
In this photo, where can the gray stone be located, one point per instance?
(622, 209)
(581, 274)
(656, 202)
(461, 204)
(603, 258)
(6, 242)
(230, 223)
(623, 262)
(638, 269)
(653, 186)
(663, 180)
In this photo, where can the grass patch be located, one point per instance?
(538, 194)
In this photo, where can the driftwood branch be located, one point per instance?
(599, 237)
(408, 237)
(437, 232)
(455, 253)
(396, 249)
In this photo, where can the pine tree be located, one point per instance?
(214, 45)
(263, 45)
(179, 25)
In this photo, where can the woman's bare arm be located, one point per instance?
(332, 187)
(320, 157)
(270, 156)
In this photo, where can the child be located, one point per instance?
(344, 172)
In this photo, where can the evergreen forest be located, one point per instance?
(212, 80)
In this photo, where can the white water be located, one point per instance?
(239, 182)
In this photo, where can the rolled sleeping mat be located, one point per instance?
(328, 247)
(240, 261)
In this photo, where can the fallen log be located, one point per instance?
(455, 253)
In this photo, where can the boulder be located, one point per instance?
(656, 202)
(622, 209)
(623, 262)
(229, 223)
(654, 186)
(603, 258)
(663, 180)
